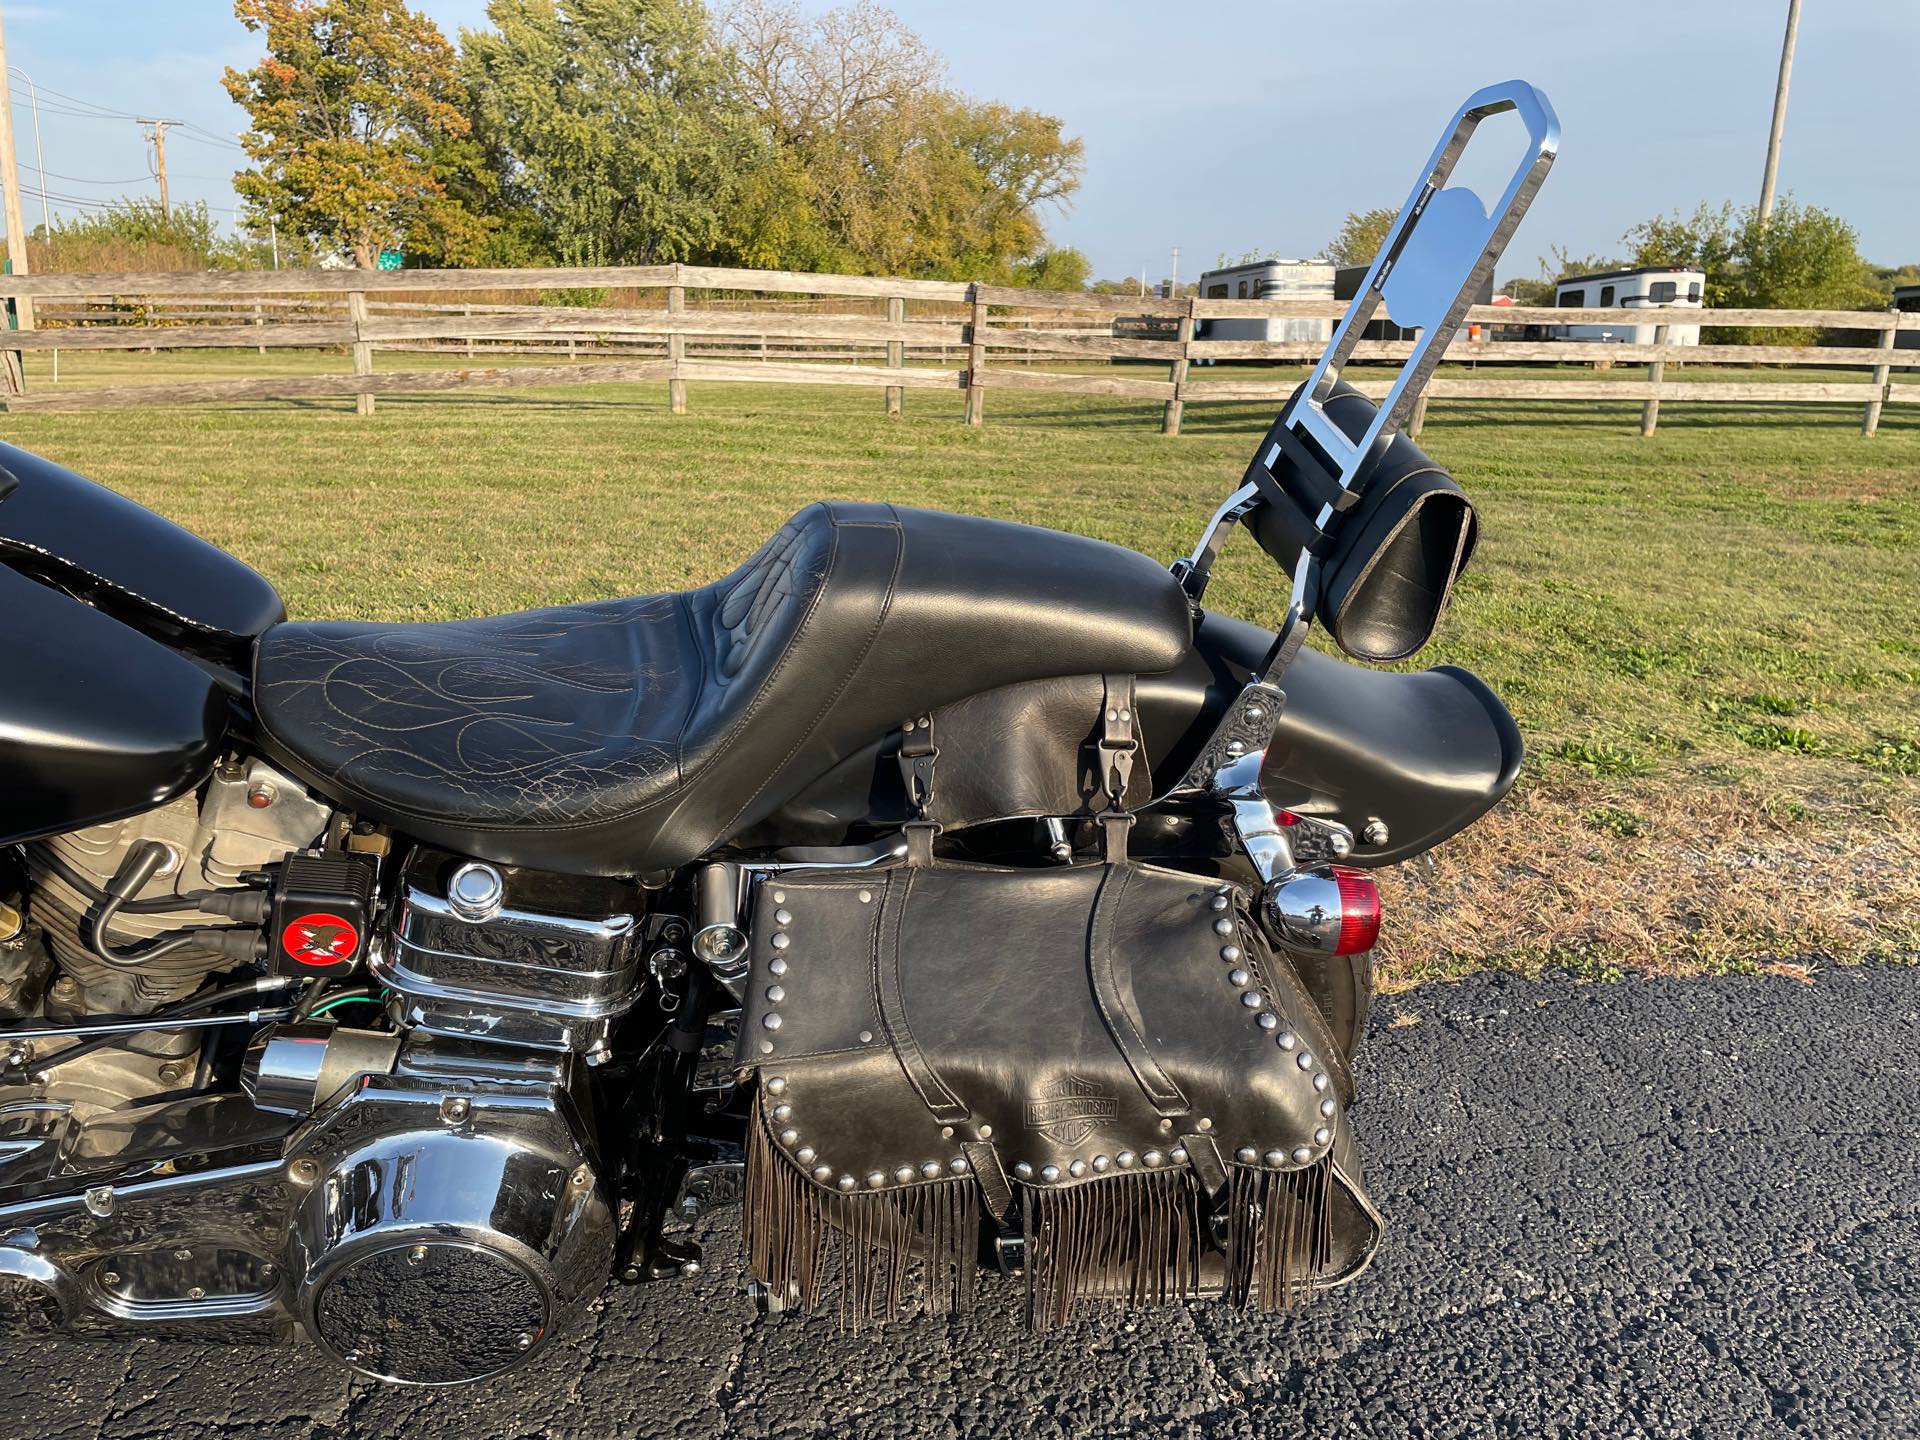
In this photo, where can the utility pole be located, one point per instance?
(1174, 287)
(1779, 112)
(10, 180)
(157, 131)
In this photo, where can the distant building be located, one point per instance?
(1907, 298)
(1267, 280)
(1664, 287)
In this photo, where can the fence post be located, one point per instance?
(1177, 373)
(1417, 421)
(976, 360)
(362, 351)
(466, 311)
(896, 353)
(1882, 375)
(1656, 374)
(676, 348)
(257, 322)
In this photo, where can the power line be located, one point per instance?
(87, 180)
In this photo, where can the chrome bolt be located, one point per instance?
(303, 1172)
(1219, 902)
(776, 1085)
(417, 1255)
(582, 1177)
(526, 1339)
(183, 1254)
(1223, 926)
(99, 1201)
(455, 1108)
(197, 1293)
(109, 1277)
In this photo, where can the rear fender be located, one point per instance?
(1424, 753)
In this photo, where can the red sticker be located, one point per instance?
(320, 939)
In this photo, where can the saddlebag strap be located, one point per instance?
(1208, 1167)
(996, 1191)
(918, 755)
(1118, 746)
(890, 999)
(1111, 975)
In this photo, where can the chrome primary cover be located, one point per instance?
(451, 1221)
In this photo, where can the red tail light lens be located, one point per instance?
(1359, 910)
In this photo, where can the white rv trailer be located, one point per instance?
(1657, 288)
(1906, 298)
(1267, 280)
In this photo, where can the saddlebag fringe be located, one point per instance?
(1139, 1238)
(1134, 1238)
(877, 1250)
(1279, 1234)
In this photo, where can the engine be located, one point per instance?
(402, 1163)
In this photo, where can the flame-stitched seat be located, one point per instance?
(631, 736)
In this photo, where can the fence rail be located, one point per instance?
(856, 330)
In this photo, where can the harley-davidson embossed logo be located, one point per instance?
(1066, 1110)
(320, 939)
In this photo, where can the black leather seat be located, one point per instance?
(629, 736)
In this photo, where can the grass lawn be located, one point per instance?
(1708, 637)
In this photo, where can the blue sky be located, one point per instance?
(1217, 127)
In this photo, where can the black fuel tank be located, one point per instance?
(129, 562)
(97, 721)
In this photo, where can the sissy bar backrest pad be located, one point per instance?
(1105, 1058)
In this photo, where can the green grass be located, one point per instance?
(1731, 602)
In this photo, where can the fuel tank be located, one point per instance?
(128, 562)
(97, 721)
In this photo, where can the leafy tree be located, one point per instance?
(616, 124)
(1799, 258)
(357, 119)
(903, 175)
(1360, 237)
(1062, 268)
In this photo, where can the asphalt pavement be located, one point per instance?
(1646, 1208)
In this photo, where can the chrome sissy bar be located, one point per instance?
(1441, 249)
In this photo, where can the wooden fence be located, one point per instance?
(855, 330)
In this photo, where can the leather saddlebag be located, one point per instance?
(1102, 1068)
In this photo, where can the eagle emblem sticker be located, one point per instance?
(1067, 1110)
(320, 939)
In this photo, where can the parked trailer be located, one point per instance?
(1267, 280)
(1907, 298)
(1667, 287)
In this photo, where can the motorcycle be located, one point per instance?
(955, 896)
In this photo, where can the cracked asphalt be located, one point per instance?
(1648, 1208)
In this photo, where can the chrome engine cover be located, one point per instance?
(433, 1223)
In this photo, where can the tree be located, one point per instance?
(1799, 258)
(616, 123)
(1361, 235)
(903, 175)
(357, 114)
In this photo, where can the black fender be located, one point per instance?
(1425, 753)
